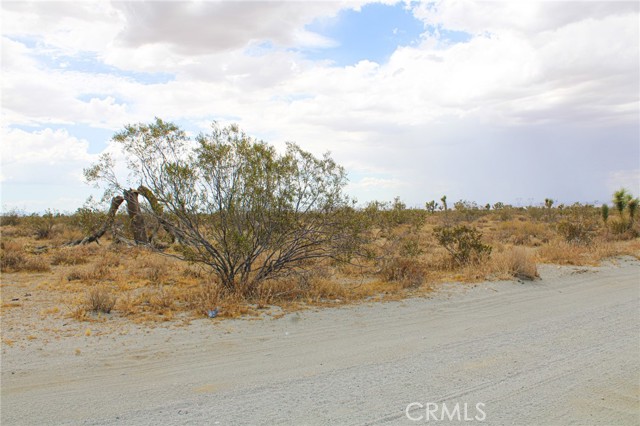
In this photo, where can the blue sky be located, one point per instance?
(372, 33)
(481, 101)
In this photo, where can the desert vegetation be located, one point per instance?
(225, 221)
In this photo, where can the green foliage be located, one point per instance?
(539, 213)
(11, 217)
(620, 200)
(504, 211)
(431, 206)
(410, 247)
(579, 224)
(386, 216)
(468, 210)
(90, 217)
(235, 203)
(604, 211)
(623, 200)
(578, 232)
(462, 242)
(444, 202)
(632, 206)
(548, 203)
(42, 226)
(619, 227)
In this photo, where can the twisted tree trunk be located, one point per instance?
(135, 214)
(158, 211)
(138, 225)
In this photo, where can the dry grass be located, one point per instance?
(409, 272)
(144, 286)
(563, 253)
(14, 258)
(78, 255)
(519, 232)
(100, 299)
(517, 262)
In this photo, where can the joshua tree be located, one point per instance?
(620, 200)
(548, 203)
(444, 202)
(605, 213)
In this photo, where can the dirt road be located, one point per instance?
(561, 350)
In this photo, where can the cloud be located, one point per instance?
(65, 26)
(42, 157)
(526, 18)
(437, 116)
(209, 27)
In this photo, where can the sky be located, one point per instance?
(482, 101)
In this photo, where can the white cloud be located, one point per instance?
(65, 26)
(529, 67)
(528, 18)
(42, 157)
(208, 27)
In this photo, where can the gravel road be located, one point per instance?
(561, 350)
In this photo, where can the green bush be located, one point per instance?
(42, 226)
(579, 223)
(462, 242)
(577, 232)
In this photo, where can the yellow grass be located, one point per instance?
(87, 282)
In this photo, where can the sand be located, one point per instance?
(564, 349)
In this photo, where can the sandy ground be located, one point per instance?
(561, 350)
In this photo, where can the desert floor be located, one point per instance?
(564, 349)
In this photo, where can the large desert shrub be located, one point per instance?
(235, 203)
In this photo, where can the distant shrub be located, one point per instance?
(467, 210)
(540, 213)
(89, 218)
(431, 206)
(399, 214)
(462, 242)
(574, 232)
(523, 233)
(43, 226)
(10, 218)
